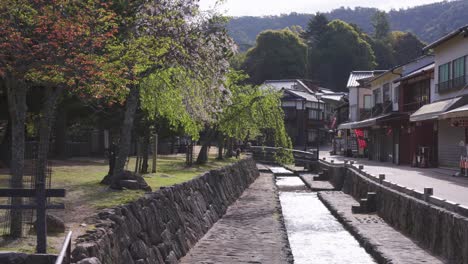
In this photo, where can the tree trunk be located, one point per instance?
(145, 151)
(137, 160)
(16, 92)
(189, 154)
(61, 134)
(203, 154)
(220, 148)
(5, 145)
(52, 96)
(155, 153)
(125, 136)
(230, 148)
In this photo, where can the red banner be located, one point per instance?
(360, 138)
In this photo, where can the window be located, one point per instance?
(386, 92)
(459, 73)
(377, 98)
(313, 114)
(459, 68)
(396, 94)
(444, 73)
(367, 102)
(312, 135)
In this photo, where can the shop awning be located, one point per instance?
(455, 113)
(366, 123)
(432, 111)
(346, 126)
(373, 121)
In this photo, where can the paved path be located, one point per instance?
(445, 186)
(249, 232)
(383, 241)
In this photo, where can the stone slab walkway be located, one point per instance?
(251, 231)
(385, 243)
(316, 185)
(445, 186)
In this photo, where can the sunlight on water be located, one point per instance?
(314, 234)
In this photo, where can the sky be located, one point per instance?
(276, 7)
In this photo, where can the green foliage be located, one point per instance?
(341, 49)
(384, 54)
(428, 22)
(316, 28)
(252, 112)
(162, 96)
(406, 47)
(381, 25)
(278, 54)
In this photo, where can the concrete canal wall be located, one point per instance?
(164, 225)
(435, 224)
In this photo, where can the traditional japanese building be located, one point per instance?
(359, 108)
(449, 98)
(308, 111)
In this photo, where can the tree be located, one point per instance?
(316, 28)
(381, 25)
(52, 46)
(406, 47)
(251, 112)
(279, 54)
(384, 54)
(154, 36)
(340, 51)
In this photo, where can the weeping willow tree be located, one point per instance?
(157, 41)
(252, 112)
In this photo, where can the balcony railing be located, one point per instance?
(365, 113)
(414, 106)
(453, 84)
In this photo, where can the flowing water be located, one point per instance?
(314, 233)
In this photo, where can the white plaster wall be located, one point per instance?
(453, 49)
(362, 92)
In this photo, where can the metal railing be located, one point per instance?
(414, 106)
(452, 84)
(65, 254)
(267, 154)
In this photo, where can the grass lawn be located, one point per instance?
(81, 177)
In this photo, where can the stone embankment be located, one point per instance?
(163, 226)
(383, 242)
(438, 226)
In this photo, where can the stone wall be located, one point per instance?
(442, 231)
(164, 225)
(23, 258)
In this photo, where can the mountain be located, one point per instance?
(428, 22)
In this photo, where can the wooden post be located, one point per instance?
(155, 153)
(40, 193)
(428, 192)
(381, 178)
(41, 225)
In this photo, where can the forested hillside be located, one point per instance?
(428, 22)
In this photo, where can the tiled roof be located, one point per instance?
(416, 73)
(287, 84)
(306, 96)
(358, 75)
(462, 30)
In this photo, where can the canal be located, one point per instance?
(314, 233)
